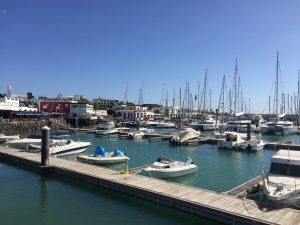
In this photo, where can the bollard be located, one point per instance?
(248, 132)
(45, 146)
(76, 122)
(137, 124)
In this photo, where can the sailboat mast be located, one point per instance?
(180, 102)
(235, 88)
(276, 87)
(298, 94)
(198, 98)
(204, 91)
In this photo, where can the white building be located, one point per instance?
(80, 108)
(173, 111)
(135, 112)
(86, 110)
(107, 103)
(9, 104)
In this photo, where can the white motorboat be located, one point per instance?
(232, 140)
(68, 148)
(253, 144)
(136, 135)
(102, 157)
(6, 138)
(32, 143)
(276, 126)
(146, 130)
(105, 126)
(112, 132)
(166, 168)
(206, 125)
(282, 183)
(239, 126)
(184, 136)
(165, 125)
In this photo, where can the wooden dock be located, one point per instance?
(212, 205)
(282, 145)
(247, 187)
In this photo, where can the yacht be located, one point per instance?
(276, 126)
(206, 125)
(106, 126)
(166, 168)
(32, 143)
(232, 140)
(146, 130)
(282, 183)
(136, 135)
(238, 125)
(254, 144)
(187, 135)
(165, 125)
(6, 138)
(112, 132)
(69, 148)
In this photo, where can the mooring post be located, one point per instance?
(137, 124)
(45, 147)
(248, 131)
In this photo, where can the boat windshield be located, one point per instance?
(285, 169)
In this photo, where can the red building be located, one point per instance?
(54, 106)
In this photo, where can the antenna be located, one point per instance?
(126, 93)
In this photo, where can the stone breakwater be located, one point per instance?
(25, 126)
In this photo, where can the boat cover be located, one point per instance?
(100, 151)
(118, 152)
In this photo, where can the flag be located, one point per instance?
(195, 97)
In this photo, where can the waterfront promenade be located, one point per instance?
(212, 205)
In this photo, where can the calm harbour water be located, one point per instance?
(27, 198)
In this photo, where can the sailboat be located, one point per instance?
(277, 125)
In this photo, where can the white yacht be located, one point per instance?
(282, 183)
(146, 130)
(106, 126)
(112, 132)
(232, 140)
(206, 125)
(254, 144)
(238, 125)
(6, 138)
(136, 135)
(239, 141)
(184, 136)
(32, 143)
(165, 125)
(278, 127)
(166, 168)
(68, 148)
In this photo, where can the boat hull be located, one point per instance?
(69, 149)
(101, 160)
(69, 152)
(171, 174)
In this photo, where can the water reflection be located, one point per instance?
(43, 203)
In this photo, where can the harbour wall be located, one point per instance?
(24, 126)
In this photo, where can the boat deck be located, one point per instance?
(212, 205)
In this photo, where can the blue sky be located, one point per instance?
(95, 47)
